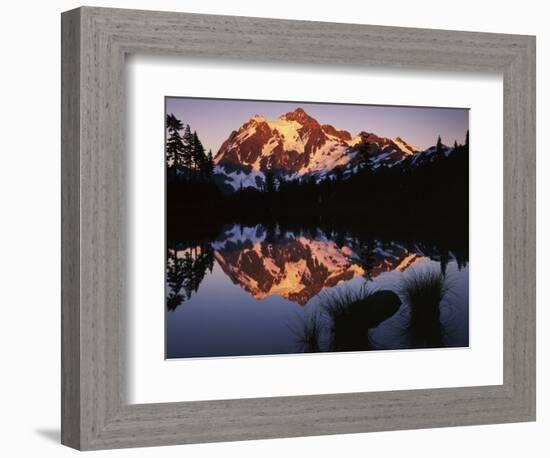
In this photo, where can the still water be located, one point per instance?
(254, 290)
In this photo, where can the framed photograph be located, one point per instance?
(290, 237)
(280, 228)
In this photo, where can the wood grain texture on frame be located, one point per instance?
(95, 41)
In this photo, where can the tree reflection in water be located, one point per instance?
(185, 270)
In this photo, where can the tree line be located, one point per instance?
(185, 153)
(433, 187)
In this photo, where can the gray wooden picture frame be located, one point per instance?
(95, 41)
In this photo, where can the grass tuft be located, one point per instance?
(341, 303)
(353, 312)
(423, 291)
(308, 334)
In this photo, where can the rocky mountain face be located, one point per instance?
(298, 146)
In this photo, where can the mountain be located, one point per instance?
(297, 267)
(298, 146)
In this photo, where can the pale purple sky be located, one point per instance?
(215, 119)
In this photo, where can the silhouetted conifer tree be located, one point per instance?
(209, 164)
(174, 143)
(187, 156)
(439, 145)
(175, 278)
(198, 154)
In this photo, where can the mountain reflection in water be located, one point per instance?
(255, 290)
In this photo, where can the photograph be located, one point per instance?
(295, 227)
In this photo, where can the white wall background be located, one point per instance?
(30, 246)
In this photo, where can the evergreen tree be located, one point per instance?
(467, 142)
(209, 165)
(439, 145)
(187, 153)
(199, 156)
(456, 145)
(185, 273)
(175, 278)
(174, 143)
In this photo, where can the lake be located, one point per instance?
(257, 290)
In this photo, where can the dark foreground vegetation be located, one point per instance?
(349, 315)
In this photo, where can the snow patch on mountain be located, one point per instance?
(332, 154)
(287, 133)
(239, 235)
(241, 179)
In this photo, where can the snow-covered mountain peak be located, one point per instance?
(296, 145)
